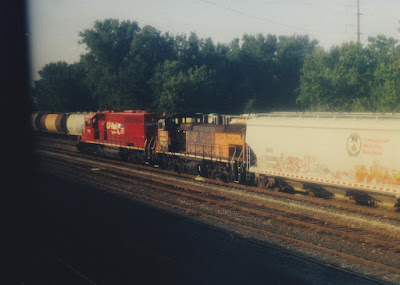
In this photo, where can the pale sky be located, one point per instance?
(54, 25)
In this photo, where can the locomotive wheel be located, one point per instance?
(162, 163)
(214, 174)
(226, 175)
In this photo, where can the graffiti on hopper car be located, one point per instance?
(296, 164)
(377, 173)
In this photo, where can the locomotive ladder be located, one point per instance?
(247, 162)
(150, 147)
(239, 163)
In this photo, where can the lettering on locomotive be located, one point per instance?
(116, 128)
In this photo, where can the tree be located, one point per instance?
(129, 67)
(291, 53)
(148, 49)
(265, 71)
(109, 44)
(337, 80)
(385, 88)
(385, 95)
(353, 78)
(188, 50)
(121, 60)
(250, 70)
(177, 90)
(61, 88)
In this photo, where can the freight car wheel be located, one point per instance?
(397, 205)
(261, 182)
(270, 183)
(362, 198)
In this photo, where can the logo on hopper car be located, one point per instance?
(116, 128)
(354, 144)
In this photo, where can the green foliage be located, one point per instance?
(121, 61)
(61, 88)
(385, 95)
(177, 90)
(250, 106)
(352, 78)
(291, 53)
(385, 88)
(129, 67)
(109, 44)
(266, 71)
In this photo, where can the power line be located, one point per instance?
(264, 19)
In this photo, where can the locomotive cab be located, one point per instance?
(90, 132)
(168, 135)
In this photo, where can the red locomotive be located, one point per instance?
(118, 131)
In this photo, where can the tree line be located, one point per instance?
(131, 67)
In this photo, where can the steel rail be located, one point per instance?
(288, 240)
(263, 214)
(379, 212)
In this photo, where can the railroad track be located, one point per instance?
(69, 147)
(202, 200)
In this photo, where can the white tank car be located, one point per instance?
(354, 151)
(76, 123)
(33, 121)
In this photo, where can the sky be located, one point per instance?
(54, 25)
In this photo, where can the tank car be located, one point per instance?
(70, 124)
(55, 123)
(75, 123)
(35, 121)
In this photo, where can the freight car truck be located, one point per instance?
(356, 152)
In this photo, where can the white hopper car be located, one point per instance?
(348, 151)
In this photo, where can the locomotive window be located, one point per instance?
(161, 125)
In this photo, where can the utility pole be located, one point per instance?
(358, 21)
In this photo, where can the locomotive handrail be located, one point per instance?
(148, 146)
(240, 155)
(155, 143)
(248, 161)
(233, 156)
